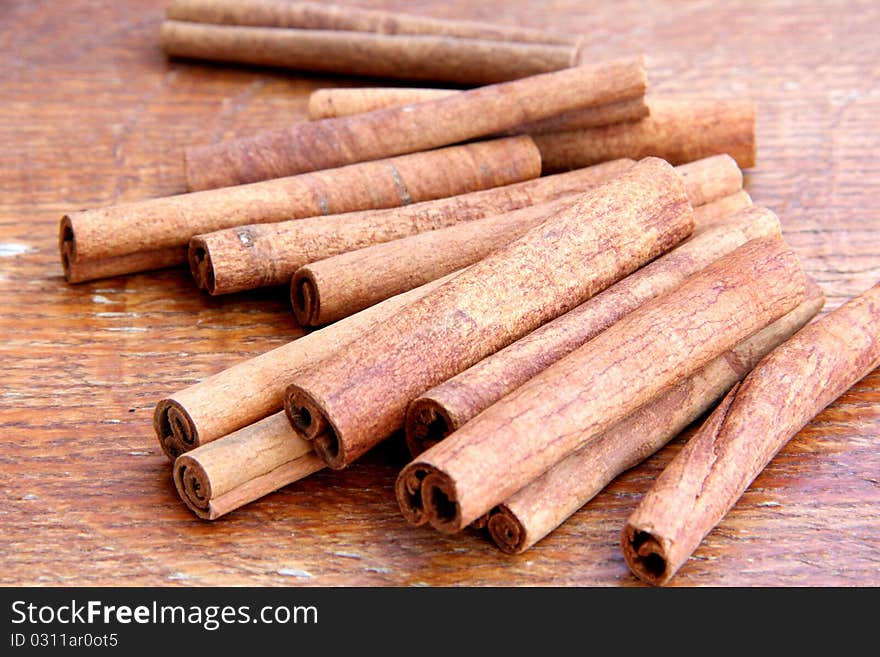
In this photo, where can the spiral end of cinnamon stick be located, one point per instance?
(439, 500)
(175, 429)
(66, 246)
(194, 486)
(305, 298)
(507, 531)
(309, 420)
(646, 555)
(427, 423)
(408, 490)
(201, 266)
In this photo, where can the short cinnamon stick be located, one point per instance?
(677, 130)
(100, 238)
(783, 393)
(248, 257)
(471, 114)
(524, 434)
(321, 16)
(327, 290)
(532, 513)
(358, 397)
(228, 473)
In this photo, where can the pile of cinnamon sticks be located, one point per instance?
(540, 281)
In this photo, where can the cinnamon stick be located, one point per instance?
(532, 513)
(248, 257)
(253, 389)
(335, 102)
(321, 16)
(336, 287)
(677, 130)
(407, 57)
(716, 212)
(357, 397)
(446, 408)
(93, 242)
(757, 418)
(666, 340)
(471, 114)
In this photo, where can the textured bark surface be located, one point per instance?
(225, 474)
(248, 257)
(336, 287)
(716, 213)
(525, 433)
(533, 512)
(474, 113)
(438, 412)
(358, 397)
(756, 419)
(678, 130)
(161, 223)
(254, 388)
(323, 16)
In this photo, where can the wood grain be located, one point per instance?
(93, 114)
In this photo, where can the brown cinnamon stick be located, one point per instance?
(79, 270)
(253, 389)
(358, 397)
(471, 114)
(438, 412)
(783, 393)
(248, 257)
(524, 434)
(100, 238)
(336, 102)
(677, 130)
(532, 513)
(321, 16)
(336, 287)
(228, 473)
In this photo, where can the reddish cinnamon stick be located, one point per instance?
(532, 513)
(94, 242)
(757, 418)
(524, 434)
(474, 113)
(356, 398)
(248, 257)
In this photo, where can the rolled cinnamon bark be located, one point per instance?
(358, 397)
(253, 389)
(327, 290)
(335, 102)
(321, 16)
(471, 114)
(532, 513)
(783, 393)
(248, 257)
(407, 57)
(446, 408)
(80, 271)
(716, 213)
(524, 434)
(161, 226)
(225, 474)
(677, 130)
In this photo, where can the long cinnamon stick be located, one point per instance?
(358, 397)
(225, 474)
(757, 418)
(438, 412)
(253, 389)
(163, 225)
(474, 113)
(327, 290)
(321, 16)
(248, 257)
(524, 434)
(532, 513)
(335, 102)
(678, 130)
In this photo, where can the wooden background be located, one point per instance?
(91, 113)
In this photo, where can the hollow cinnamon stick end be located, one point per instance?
(201, 265)
(426, 424)
(439, 499)
(647, 555)
(408, 491)
(194, 486)
(507, 531)
(305, 298)
(175, 429)
(304, 413)
(67, 248)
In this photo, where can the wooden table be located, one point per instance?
(91, 113)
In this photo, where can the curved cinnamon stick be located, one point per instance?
(358, 397)
(783, 393)
(471, 114)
